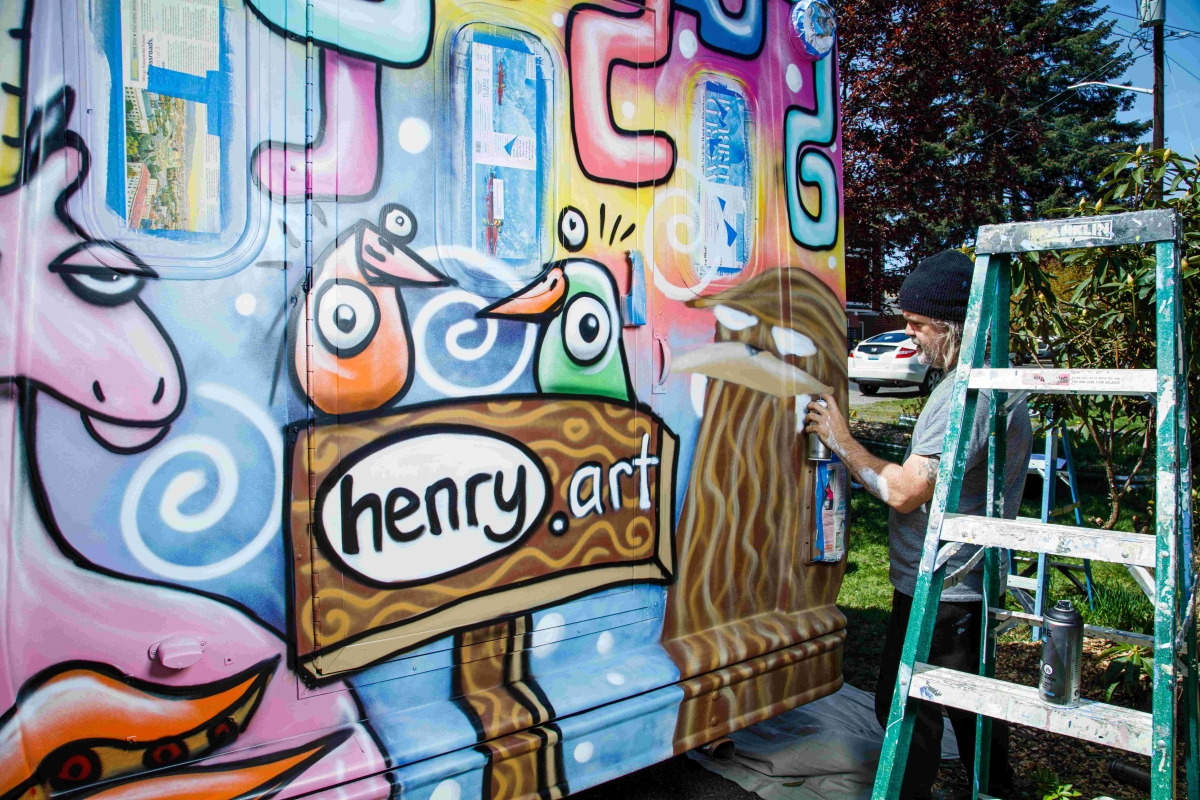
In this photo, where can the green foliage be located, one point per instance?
(1050, 788)
(1097, 309)
(1120, 607)
(1130, 670)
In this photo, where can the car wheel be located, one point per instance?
(868, 388)
(932, 378)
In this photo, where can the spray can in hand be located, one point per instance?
(817, 451)
(1062, 650)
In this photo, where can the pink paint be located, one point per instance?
(596, 39)
(55, 610)
(347, 150)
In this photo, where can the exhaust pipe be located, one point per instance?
(722, 749)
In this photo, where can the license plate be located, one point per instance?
(872, 358)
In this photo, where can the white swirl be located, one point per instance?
(425, 367)
(671, 290)
(186, 484)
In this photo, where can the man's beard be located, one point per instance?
(923, 356)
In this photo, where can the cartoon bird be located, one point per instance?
(748, 509)
(579, 347)
(362, 354)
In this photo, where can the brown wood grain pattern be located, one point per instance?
(720, 702)
(746, 528)
(334, 608)
(526, 765)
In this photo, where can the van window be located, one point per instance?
(502, 99)
(723, 126)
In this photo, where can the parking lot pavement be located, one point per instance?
(857, 398)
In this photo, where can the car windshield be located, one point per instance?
(893, 337)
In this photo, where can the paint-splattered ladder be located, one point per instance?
(1168, 552)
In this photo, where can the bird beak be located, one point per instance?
(380, 258)
(756, 369)
(542, 297)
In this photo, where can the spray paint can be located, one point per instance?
(817, 451)
(1062, 651)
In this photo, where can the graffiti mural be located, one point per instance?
(403, 396)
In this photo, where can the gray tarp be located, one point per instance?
(831, 744)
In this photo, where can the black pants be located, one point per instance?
(955, 645)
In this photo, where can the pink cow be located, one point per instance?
(81, 701)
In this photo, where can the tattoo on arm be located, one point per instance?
(929, 470)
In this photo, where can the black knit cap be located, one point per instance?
(939, 287)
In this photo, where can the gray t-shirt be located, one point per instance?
(906, 532)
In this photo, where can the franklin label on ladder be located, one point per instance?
(1168, 551)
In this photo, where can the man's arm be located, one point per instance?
(904, 487)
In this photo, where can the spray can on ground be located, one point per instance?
(1062, 651)
(817, 451)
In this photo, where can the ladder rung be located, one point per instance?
(1061, 540)
(1067, 381)
(1104, 724)
(1029, 584)
(1089, 631)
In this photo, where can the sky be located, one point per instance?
(1182, 93)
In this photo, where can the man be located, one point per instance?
(933, 300)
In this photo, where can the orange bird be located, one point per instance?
(359, 351)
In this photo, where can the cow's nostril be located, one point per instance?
(162, 389)
(96, 390)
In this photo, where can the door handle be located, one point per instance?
(660, 386)
(635, 301)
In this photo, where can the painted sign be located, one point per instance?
(433, 520)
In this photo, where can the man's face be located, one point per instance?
(925, 332)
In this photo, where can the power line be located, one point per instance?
(1179, 102)
(1182, 67)
(1172, 27)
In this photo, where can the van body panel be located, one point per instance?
(403, 397)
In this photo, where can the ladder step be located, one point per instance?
(1104, 724)
(1004, 615)
(1029, 584)
(1067, 381)
(1093, 544)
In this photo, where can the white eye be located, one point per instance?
(400, 223)
(793, 343)
(347, 317)
(572, 229)
(587, 329)
(733, 319)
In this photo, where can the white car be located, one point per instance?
(890, 359)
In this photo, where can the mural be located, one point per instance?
(403, 396)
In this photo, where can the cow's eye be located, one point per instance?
(100, 273)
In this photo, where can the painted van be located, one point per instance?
(402, 396)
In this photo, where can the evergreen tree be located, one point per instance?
(956, 113)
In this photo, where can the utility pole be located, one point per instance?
(1153, 14)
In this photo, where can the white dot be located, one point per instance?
(833, 262)
(605, 643)
(833, 147)
(795, 80)
(616, 678)
(415, 134)
(245, 304)
(687, 44)
(547, 634)
(584, 752)
(447, 790)
(558, 19)
(628, 109)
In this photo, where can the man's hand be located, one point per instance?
(827, 422)
(904, 487)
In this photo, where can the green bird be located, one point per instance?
(579, 348)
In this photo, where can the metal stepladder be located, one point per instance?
(1168, 551)
(1031, 591)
